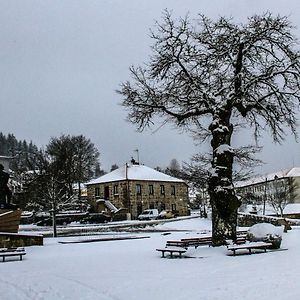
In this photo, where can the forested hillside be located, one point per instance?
(22, 151)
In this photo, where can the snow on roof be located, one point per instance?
(134, 172)
(294, 172)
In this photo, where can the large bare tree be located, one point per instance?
(218, 73)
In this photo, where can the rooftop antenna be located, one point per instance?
(137, 154)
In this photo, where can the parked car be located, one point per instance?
(149, 214)
(48, 222)
(166, 214)
(95, 218)
(44, 222)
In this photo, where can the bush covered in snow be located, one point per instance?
(266, 232)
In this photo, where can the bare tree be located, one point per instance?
(281, 193)
(45, 191)
(220, 73)
(199, 169)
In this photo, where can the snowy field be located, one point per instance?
(132, 269)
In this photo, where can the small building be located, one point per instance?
(137, 187)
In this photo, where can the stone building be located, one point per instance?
(261, 189)
(136, 188)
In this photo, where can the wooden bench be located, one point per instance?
(250, 246)
(8, 252)
(240, 239)
(241, 232)
(204, 240)
(190, 242)
(171, 250)
(177, 244)
(199, 241)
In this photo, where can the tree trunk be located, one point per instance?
(54, 218)
(79, 191)
(223, 200)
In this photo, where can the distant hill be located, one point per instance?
(22, 151)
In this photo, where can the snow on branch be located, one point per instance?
(224, 148)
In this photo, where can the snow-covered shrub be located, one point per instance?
(266, 232)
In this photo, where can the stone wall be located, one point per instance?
(8, 240)
(247, 220)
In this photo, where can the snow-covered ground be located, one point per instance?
(132, 269)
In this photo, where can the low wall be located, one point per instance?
(247, 220)
(19, 240)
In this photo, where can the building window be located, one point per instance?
(151, 189)
(97, 192)
(138, 189)
(162, 189)
(173, 190)
(116, 189)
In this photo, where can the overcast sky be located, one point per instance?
(61, 62)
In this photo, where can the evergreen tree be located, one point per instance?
(23, 153)
(73, 159)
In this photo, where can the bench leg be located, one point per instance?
(3, 258)
(162, 253)
(21, 257)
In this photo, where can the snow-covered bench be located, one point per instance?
(250, 246)
(190, 242)
(198, 241)
(8, 252)
(203, 240)
(171, 250)
(175, 243)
